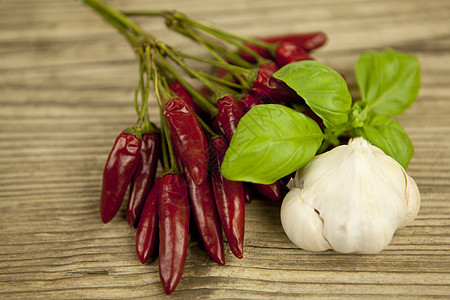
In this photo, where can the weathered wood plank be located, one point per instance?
(66, 89)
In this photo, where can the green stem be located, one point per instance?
(235, 59)
(140, 87)
(332, 138)
(223, 81)
(132, 39)
(146, 88)
(174, 19)
(172, 162)
(98, 4)
(151, 13)
(204, 103)
(213, 30)
(214, 49)
(232, 68)
(165, 159)
(165, 130)
(147, 126)
(217, 51)
(218, 90)
(259, 59)
(180, 17)
(190, 33)
(167, 93)
(229, 37)
(340, 132)
(134, 130)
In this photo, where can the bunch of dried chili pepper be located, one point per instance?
(196, 126)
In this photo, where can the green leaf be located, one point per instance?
(389, 136)
(270, 142)
(389, 80)
(322, 88)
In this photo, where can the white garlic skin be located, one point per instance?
(350, 199)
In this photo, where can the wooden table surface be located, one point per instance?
(66, 90)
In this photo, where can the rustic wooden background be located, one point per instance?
(66, 90)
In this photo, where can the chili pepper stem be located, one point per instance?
(204, 103)
(150, 13)
(134, 130)
(119, 16)
(170, 161)
(194, 36)
(170, 158)
(218, 90)
(229, 37)
(140, 86)
(237, 71)
(257, 42)
(144, 87)
(165, 159)
(99, 7)
(223, 81)
(214, 31)
(232, 68)
(216, 50)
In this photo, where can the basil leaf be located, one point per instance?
(389, 80)
(322, 88)
(388, 135)
(270, 142)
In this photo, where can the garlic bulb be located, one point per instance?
(350, 199)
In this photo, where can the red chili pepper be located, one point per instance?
(229, 197)
(288, 52)
(206, 218)
(189, 140)
(306, 41)
(173, 212)
(147, 230)
(272, 89)
(270, 191)
(144, 176)
(250, 100)
(229, 114)
(216, 127)
(119, 169)
(181, 92)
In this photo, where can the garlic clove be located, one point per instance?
(301, 223)
(412, 196)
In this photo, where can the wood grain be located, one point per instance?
(66, 90)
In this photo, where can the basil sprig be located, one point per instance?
(272, 141)
(389, 82)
